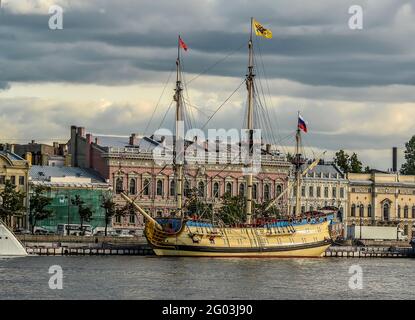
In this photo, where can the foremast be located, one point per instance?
(298, 163)
(178, 152)
(250, 127)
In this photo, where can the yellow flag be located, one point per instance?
(261, 31)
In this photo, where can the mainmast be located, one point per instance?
(298, 170)
(179, 144)
(250, 123)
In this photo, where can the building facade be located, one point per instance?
(382, 199)
(323, 186)
(63, 185)
(44, 154)
(127, 164)
(15, 169)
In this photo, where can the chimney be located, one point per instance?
(268, 148)
(96, 140)
(81, 132)
(133, 139)
(88, 138)
(11, 148)
(33, 142)
(28, 157)
(395, 159)
(73, 146)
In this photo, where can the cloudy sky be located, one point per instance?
(112, 63)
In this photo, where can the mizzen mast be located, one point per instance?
(178, 152)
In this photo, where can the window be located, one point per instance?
(334, 192)
(229, 188)
(341, 192)
(21, 181)
(413, 212)
(187, 189)
(279, 190)
(406, 212)
(303, 191)
(172, 188)
(399, 211)
(311, 192)
(146, 187)
(254, 191)
(119, 185)
(326, 192)
(159, 190)
(353, 211)
(311, 208)
(133, 188)
(132, 218)
(242, 189)
(2, 179)
(118, 219)
(13, 180)
(266, 192)
(318, 192)
(216, 190)
(362, 211)
(302, 209)
(369, 211)
(386, 212)
(201, 189)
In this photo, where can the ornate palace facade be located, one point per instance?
(127, 164)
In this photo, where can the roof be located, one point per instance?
(45, 173)
(10, 155)
(113, 141)
(326, 168)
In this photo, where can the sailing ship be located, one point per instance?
(298, 236)
(9, 244)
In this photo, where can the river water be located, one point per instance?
(150, 277)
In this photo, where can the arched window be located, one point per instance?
(266, 192)
(311, 191)
(369, 211)
(146, 187)
(311, 208)
(229, 188)
(362, 211)
(254, 191)
(279, 190)
(386, 212)
(353, 210)
(119, 185)
(201, 189)
(399, 211)
(133, 188)
(406, 212)
(172, 188)
(187, 188)
(159, 190)
(413, 212)
(216, 190)
(242, 189)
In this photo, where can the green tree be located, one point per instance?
(38, 203)
(341, 159)
(11, 202)
(409, 166)
(85, 213)
(195, 207)
(232, 209)
(367, 169)
(109, 206)
(355, 164)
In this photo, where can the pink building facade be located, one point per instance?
(128, 165)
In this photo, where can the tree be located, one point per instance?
(409, 166)
(12, 202)
(85, 213)
(367, 169)
(341, 159)
(38, 203)
(195, 207)
(355, 164)
(110, 210)
(233, 209)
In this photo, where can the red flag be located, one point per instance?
(182, 44)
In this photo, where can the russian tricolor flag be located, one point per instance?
(302, 124)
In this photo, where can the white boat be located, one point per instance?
(9, 244)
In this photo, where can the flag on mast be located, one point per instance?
(182, 44)
(302, 124)
(260, 30)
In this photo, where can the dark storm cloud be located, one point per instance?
(93, 45)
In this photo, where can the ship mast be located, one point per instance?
(298, 170)
(178, 163)
(250, 124)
